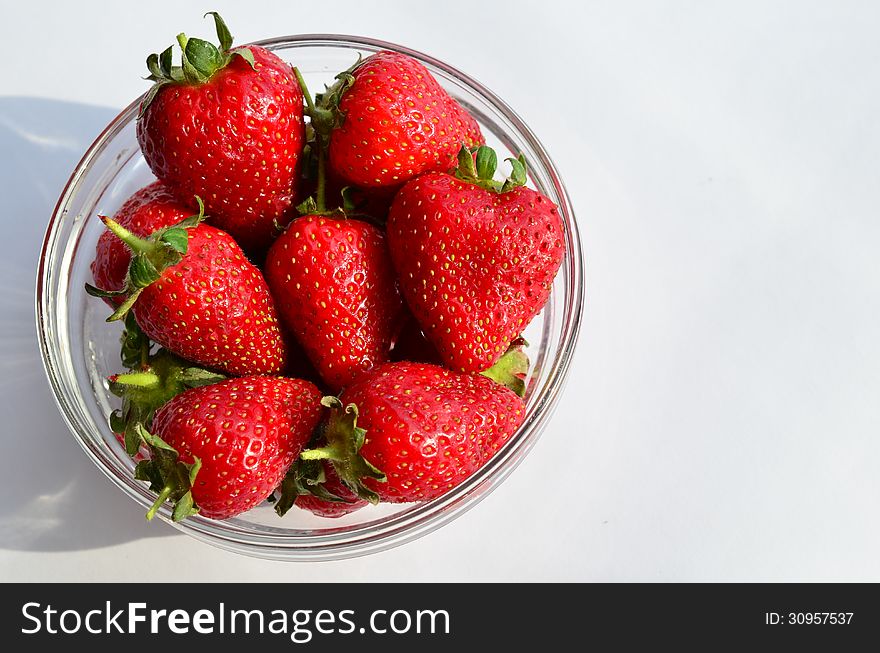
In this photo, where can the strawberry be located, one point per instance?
(193, 291)
(334, 284)
(221, 449)
(412, 431)
(391, 120)
(476, 258)
(226, 125)
(148, 210)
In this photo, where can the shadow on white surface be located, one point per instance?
(54, 499)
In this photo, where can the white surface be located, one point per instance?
(721, 422)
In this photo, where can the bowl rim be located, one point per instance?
(384, 533)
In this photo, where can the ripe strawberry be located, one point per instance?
(222, 449)
(194, 292)
(334, 286)
(394, 122)
(148, 210)
(475, 258)
(228, 126)
(412, 431)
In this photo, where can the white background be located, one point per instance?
(721, 419)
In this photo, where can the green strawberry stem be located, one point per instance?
(319, 118)
(137, 379)
(324, 115)
(344, 441)
(321, 189)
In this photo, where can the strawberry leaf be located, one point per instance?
(97, 292)
(154, 68)
(245, 54)
(223, 34)
(518, 175)
(487, 162)
(306, 477)
(168, 476)
(511, 369)
(165, 66)
(176, 238)
(482, 171)
(204, 57)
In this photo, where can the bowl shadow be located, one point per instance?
(53, 497)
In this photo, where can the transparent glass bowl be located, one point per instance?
(80, 349)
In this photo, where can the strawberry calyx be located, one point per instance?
(306, 477)
(199, 60)
(478, 167)
(150, 257)
(148, 388)
(511, 369)
(344, 441)
(171, 478)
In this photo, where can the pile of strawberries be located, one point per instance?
(322, 297)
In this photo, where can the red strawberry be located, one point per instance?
(412, 431)
(227, 126)
(476, 259)
(334, 284)
(396, 122)
(194, 292)
(225, 447)
(146, 211)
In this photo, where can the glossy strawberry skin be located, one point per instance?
(475, 266)
(247, 433)
(332, 509)
(235, 141)
(399, 122)
(148, 210)
(429, 428)
(334, 286)
(214, 308)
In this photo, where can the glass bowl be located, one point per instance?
(80, 349)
